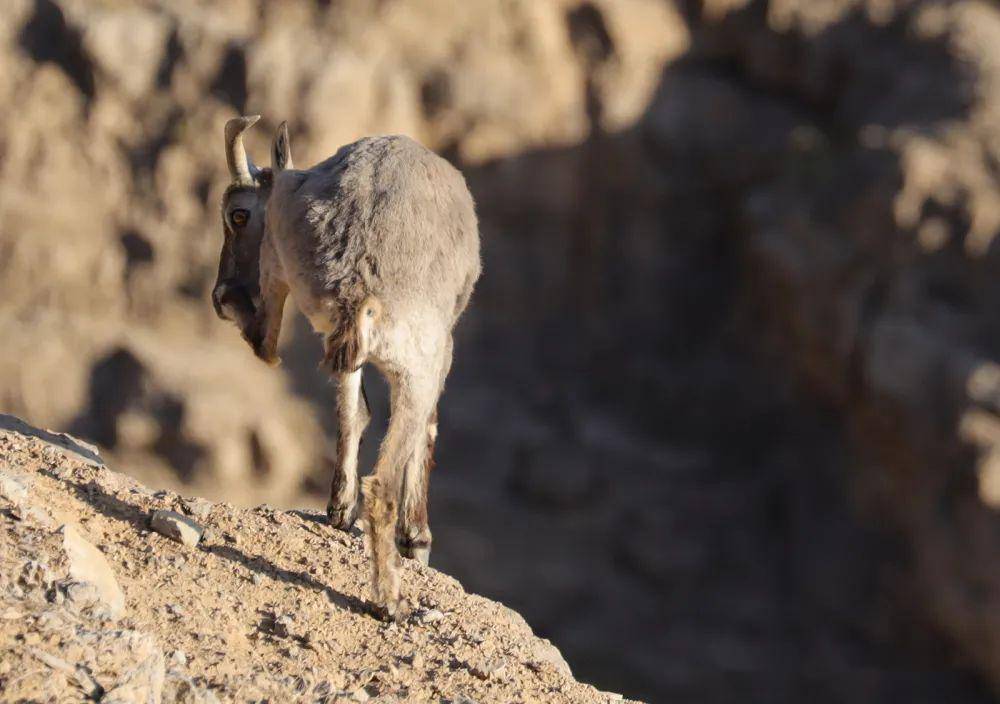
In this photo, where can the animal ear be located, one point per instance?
(241, 169)
(281, 150)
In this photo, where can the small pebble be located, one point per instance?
(176, 527)
(197, 507)
(431, 616)
(81, 594)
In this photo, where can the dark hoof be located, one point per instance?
(396, 612)
(342, 517)
(415, 550)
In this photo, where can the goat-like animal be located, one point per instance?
(379, 248)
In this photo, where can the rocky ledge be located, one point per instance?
(210, 602)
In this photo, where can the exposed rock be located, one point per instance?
(78, 675)
(176, 527)
(35, 574)
(545, 652)
(178, 689)
(88, 564)
(12, 488)
(431, 616)
(485, 669)
(281, 626)
(81, 594)
(142, 684)
(197, 507)
(40, 516)
(56, 444)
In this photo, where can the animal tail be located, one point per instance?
(346, 348)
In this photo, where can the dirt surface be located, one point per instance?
(268, 605)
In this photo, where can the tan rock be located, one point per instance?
(547, 653)
(13, 489)
(177, 527)
(88, 564)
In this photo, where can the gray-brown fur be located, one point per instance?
(413, 533)
(379, 248)
(353, 415)
(380, 511)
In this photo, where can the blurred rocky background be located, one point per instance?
(725, 412)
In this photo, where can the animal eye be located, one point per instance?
(239, 217)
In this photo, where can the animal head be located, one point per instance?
(236, 295)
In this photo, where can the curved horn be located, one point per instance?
(241, 169)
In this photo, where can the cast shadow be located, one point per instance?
(138, 518)
(60, 440)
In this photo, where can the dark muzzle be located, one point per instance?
(233, 302)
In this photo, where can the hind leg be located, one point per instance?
(353, 415)
(413, 395)
(413, 534)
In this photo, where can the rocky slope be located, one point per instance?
(263, 604)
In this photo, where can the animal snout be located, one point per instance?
(228, 298)
(233, 302)
(218, 296)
